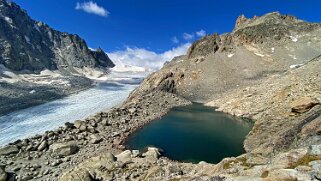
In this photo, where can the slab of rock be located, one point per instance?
(64, 149)
(124, 156)
(3, 174)
(303, 104)
(9, 149)
(43, 145)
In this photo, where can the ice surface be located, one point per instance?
(38, 119)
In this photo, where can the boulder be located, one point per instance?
(43, 145)
(314, 150)
(132, 110)
(3, 174)
(78, 123)
(9, 149)
(94, 139)
(64, 149)
(152, 153)
(303, 104)
(124, 156)
(69, 125)
(135, 153)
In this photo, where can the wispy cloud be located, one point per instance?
(145, 58)
(175, 40)
(201, 33)
(188, 36)
(92, 8)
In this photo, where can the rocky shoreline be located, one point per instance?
(48, 156)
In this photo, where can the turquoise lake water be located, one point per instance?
(194, 133)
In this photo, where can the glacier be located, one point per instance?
(38, 119)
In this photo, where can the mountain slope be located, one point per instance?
(257, 48)
(32, 45)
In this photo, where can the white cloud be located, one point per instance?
(145, 58)
(93, 8)
(175, 40)
(201, 33)
(188, 36)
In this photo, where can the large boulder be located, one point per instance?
(303, 104)
(9, 149)
(64, 149)
(124, 156)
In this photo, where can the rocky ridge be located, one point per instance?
(257, 48)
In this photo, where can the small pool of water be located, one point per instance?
(194, 133)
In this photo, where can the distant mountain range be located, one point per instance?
(26, 44)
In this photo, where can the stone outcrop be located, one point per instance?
(303, 104)
(26, 44)
(240, 21)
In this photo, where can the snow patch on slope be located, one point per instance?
(121, 67)
(230, 55)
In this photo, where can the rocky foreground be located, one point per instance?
(46, 157)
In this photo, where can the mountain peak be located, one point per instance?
(240, 20)
(40, 46)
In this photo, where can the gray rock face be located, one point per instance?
(64, 149)
(9, 149)
(32, 45)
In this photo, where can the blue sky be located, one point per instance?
(156, 26)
